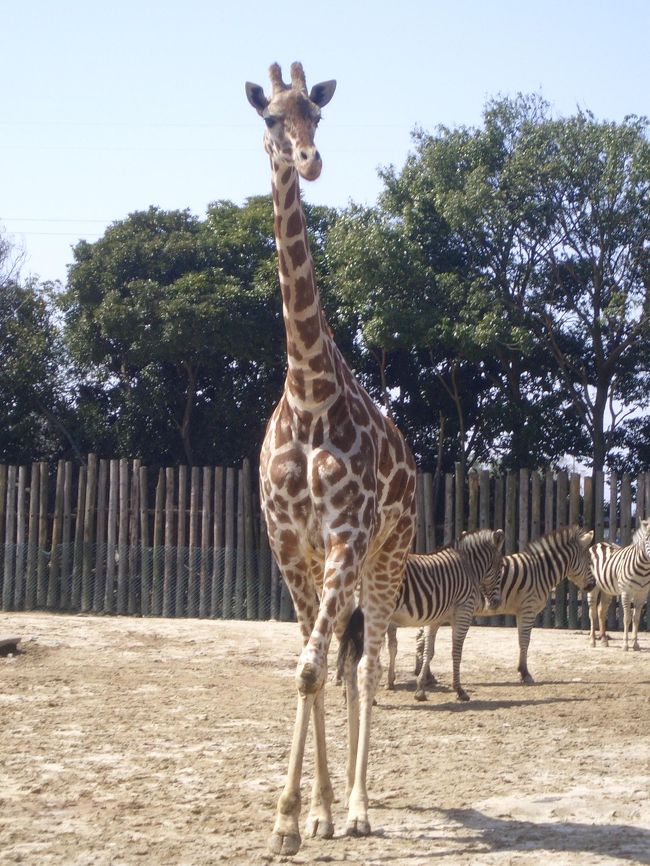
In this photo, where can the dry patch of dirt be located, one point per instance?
(165, 743)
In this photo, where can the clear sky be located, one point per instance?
(110, 107)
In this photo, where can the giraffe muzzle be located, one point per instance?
(308, 163)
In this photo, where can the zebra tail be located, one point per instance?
(351, 642)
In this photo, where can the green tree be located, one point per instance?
(35, 394)
(589, 305)
(178, 324)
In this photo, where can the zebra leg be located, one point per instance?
(391, 640)
(430, 632)
(430, 679)
(419, 651)
(525, 624)
(627, 616)
(638, 607)
(603, 607)
(459, 629)
(592, 600)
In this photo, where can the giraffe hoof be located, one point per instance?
(285, 845)
(420, 695)
(358, 827)
(320, 827)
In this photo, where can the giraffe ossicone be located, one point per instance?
(337, 480)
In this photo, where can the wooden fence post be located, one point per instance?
(123, 538)
(168, 572)
(66, 536)
(32, 538)
(239, 549)
(77, 555)
(146, 559)
(574, 520)
(135, 576)
(180, 555)
(157, 571)
(229, 550)
(472, 496)
(89, 534)
(417, 545)
(53, 594)
(524, 496)
(459, 511)
(448, 536)
(429, 512)
(561, 590)
(111, 536)
(216, 600)
(192, 570)
(204, 586)
(10, 541)
(21, 511)
(484, 500)
(249, 543)
(100, 537)
(41, 569)
(3, 505)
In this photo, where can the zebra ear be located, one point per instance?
(585, 538)
(498, 537)
(462, 535)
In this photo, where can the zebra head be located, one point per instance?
(642, 538)
(482, 551)
(579, 567)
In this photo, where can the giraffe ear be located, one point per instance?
(256, 97)
(322, 93)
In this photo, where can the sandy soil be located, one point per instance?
(127, 741)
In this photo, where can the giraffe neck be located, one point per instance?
(311, 351)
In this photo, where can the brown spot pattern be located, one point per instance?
(294, 224)
(297, 253)
(308, 330)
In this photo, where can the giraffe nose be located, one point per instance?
(309, 163)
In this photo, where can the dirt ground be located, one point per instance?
(165, 743)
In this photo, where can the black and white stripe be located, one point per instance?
(449, 585)
(528, 578)
(623, 571)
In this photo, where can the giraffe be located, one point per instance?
(337, 481)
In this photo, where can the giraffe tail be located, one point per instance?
(350, 643)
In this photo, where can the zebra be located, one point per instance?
(623, 571)
(527, 579)
(446, 586)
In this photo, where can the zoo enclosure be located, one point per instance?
(114, 537)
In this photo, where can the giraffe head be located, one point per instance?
(291, 115)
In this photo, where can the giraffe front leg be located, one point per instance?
(368, 673)
(285, 839)
(319, 820)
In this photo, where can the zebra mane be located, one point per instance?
(475, 535)
(560, 536)
(641, 533)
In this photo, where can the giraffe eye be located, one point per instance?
(270, 121)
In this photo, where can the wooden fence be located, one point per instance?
(112, 536)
